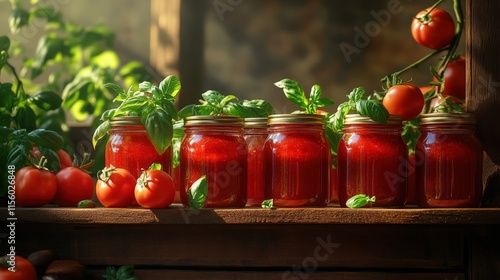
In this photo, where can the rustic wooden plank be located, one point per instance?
(483, 75)
(260, 246)
(145, 274)
(328, 215)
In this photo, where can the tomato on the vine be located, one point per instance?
(154, 189)
(115, 187)
(434, 29)
(35, 186)
(405, 100)
(454, 78)
(24, 270)
(73, 185)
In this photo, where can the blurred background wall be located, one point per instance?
(249, 45)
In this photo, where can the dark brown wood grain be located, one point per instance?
(483, 75)
(327, 215)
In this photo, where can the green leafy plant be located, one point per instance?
(122, 273)
(153, 104)
(294, 92)
(216, 104)
(19, 109)
(267, 204)
(16, 148)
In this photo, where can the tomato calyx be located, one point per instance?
(4, 262)
(105, 173)
(426, 18)
(41, 164)
(84, 164)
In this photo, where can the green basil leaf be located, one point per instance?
(315, 94)
(156, 166)
(213, 98)
(18, 19)
(48, 48)
(26, 118)
(197, 193)
(176, 142)
(4, 133)
(107, 115)
(159, 127)
(46, 138)
(7, 96)
(227, 99)
(356, 94)
(4, 43)
(373, 109)
(238, 110)
(72, 91)
(196, 110)
(100, 132)
(170, 86)
(336, 121)
(293, 92)
(410, 134)
(18, 156)
(146, 86)
(46, 100)
(267, 204)
(261, 104)
(333, 139)
(359, 201)
(169, 107)
(134, 104)
(324, 102)
(117, 89)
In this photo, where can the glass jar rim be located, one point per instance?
(444, 118)
(256, 122)
(296, 119)
(213, 120)
(125, 121)
(358, 119)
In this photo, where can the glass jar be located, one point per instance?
(214, 146)
(255, 134)
(129, 147)
(372, 160)
(449, 160)
(297, 160)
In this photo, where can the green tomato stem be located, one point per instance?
(426, 15)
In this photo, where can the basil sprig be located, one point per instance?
(294, 92)
(360, 200)
(153, 104)
(367, 107)
(214, 103)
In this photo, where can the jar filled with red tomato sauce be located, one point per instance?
(449, 161)
(129, 147)
(255, 134)
(213, 146)
(297, 160)
(372, 160)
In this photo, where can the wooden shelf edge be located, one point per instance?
(327, 215)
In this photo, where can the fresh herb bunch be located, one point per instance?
(125, 272)
(294, 92)
(19, 109)
(214, 103)
(154, 105)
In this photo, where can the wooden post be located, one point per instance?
(483, 76)
(177, 43)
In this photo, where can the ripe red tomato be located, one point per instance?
(73, 186)
(64, 159)
(454, 78)
(154, 189)
(24, 270)
(435, 31)
(405, 100)
(115, 187)
(34, 187)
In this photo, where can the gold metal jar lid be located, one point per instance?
(125, 121)
(214, 120)
(443, 118)
(256, 122)
(296, 119)
(358, 119)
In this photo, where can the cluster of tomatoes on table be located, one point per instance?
(73, 186)
(433, 28)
